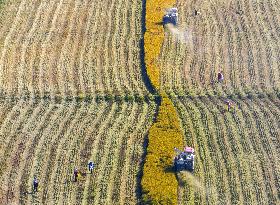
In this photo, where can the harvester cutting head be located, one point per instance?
(171, 16)
(185, 160)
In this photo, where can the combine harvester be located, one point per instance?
(171, 17)
(184, 160)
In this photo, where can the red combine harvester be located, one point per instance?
(184, 160)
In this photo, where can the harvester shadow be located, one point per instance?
(159, 23)
(169, 169)
(144, 74)
(139, 190)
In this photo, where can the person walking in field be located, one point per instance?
(220, 77)
(90, 166)
(35, 184)
(229, 105)
(75, 175)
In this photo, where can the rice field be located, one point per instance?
(67, 47)
(237, 152)
(48, 140)
(239, 38)
(73, 88)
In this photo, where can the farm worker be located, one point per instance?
(75, 174)
(229, 104)
(90, 166)
(35, 184)
(196, 12)
(220, 77)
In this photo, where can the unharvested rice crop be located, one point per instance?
(70, 47)
(240, 38)
(47, 140)
(237, 152)
(74, 88)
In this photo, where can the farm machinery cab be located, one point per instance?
(184, 160)
(171, 16)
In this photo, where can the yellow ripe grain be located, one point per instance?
(159, 183)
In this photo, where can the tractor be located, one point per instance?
(171, 16)
(184, 159)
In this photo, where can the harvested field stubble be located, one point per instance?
(48, 140)
(71, 48)
(236, 150)
(239, 38)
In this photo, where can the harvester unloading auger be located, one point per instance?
(171, 16)
(184, 159)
